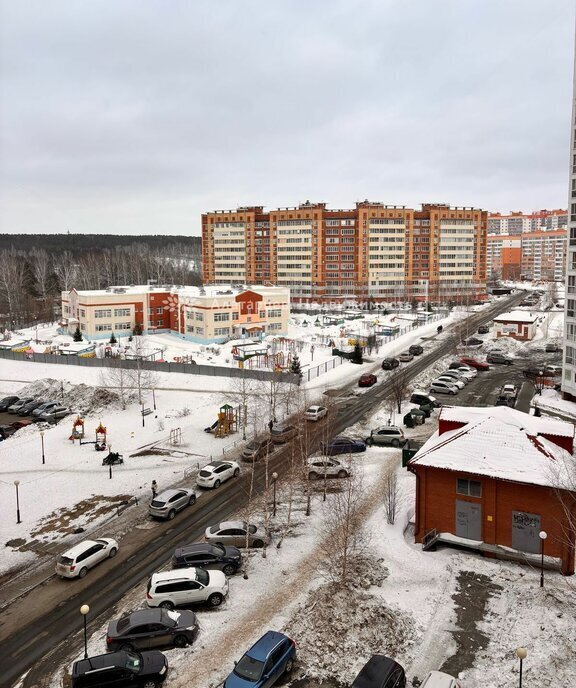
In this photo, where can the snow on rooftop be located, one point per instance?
(498, 447)
(189, 291)
(517, 419)
(516, 316)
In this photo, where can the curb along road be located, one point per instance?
(45, 626)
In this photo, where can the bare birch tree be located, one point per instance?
(399, 382)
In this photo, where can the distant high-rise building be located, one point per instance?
(530, 256)
(520, 223)
(371, 252)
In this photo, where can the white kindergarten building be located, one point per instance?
(202, 315)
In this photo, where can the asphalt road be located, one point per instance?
(36, 626)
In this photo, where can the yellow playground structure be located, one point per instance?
(227, 421)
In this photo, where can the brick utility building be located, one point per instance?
(203, 315)
(371, 252)
(516, 324)
(531, 256)
(495, 478)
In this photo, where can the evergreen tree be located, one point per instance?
(357, 355)
(295, 366)
(113, 339)
(137, 331)
(77, 336)
(414, 304)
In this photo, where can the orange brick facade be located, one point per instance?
(371, 252)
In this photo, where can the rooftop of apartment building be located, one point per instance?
(535, 213)
(187, 291)
(309, 205)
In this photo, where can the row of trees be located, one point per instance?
(31, 280)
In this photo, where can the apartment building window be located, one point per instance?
(570, 355)
(190, 329)
(105, 313)
(332, 223)
(83, 313)
(82, 326)
(159, 323)
(570, 307)
(198, 316)
(275, 326)
(121, 312)
(66, 310)
(150, 310)
(221, 331)
(103, 327)
(348, 231)
(124, 326)
(221, 317)
(275, 313)
(262, 314)
(159, 310)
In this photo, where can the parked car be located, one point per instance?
(450, 380)
(6, 402)
(386, 436)
(315, 413)
(406, 357)
(473, 363)
(465, 372)
(496, 357)
(438, 679)
(509, 390)
(443, 387)
(504, 400)
(148, 628)
(390, 363)
(17, 405)
(534, 371)
(264, 663)
(380, 672)
(181, 587)
(256, 449)
(422, 399)
(367, 380)
(282, 433)
(54, 414)
(456, 375)
(27, 409)
(324, 466)
(7, 431)
(416, 350)
(483, 329)
(216, 473)
(236, 534)
(75, 562)
(207, 555)
(121, 669)
(343, 445)
(18, 424)
(473, 341)
(553, 369)
(167, 503)
(46, 406)
(552, 347)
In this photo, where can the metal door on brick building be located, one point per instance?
(525, 529)
(468, 520)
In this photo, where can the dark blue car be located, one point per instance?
(343, 445)
(270, 657)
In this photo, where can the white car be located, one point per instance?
(76, 561)
(438, 679)
(217, 472)
(456, 375)
(315, 413)
(442, 387)
(469, 373)
(169, 589)
(452, 380)
(324, 466)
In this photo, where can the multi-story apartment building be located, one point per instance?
(531, 256)
(569, 361)
(371, 252)
(520, 223)
(201, 315)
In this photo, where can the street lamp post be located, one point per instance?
(110, 464)
(542, 535)
(18, 520)
(274, 479)
(42, 440)
(84, 609)
(521, 653)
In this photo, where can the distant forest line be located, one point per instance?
(35, 268)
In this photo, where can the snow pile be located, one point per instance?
(336, 623)
(80, 398)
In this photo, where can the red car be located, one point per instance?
(367, 380)
(473, 363)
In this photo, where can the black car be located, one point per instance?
(380, 672)
(343, 445)
(27, 409)
(424, 399)
(416, 350)
(7, 431)
(473, 341)
(6, 402)
(121, 669)
(390, 363)
(208, 556)
(483, 329)
(148, 628)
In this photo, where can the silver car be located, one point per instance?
(234, 533)
(167, 503)
(324, 466)
(54, 414)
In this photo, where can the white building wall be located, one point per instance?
(569, 367)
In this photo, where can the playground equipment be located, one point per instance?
(77, 429)
(176, 436)
(227, 421)
(100, 444)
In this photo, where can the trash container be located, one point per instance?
(426, 409)
(409, 450)
(408, 420)
(418, 415)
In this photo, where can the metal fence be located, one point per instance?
(190, 369)
(322, 368)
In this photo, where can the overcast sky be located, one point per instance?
(135, 116)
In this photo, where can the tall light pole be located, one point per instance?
(542, 535)
(42, 440)
(521, 653)
(18, 520)
(274, 479)
(84, 609)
